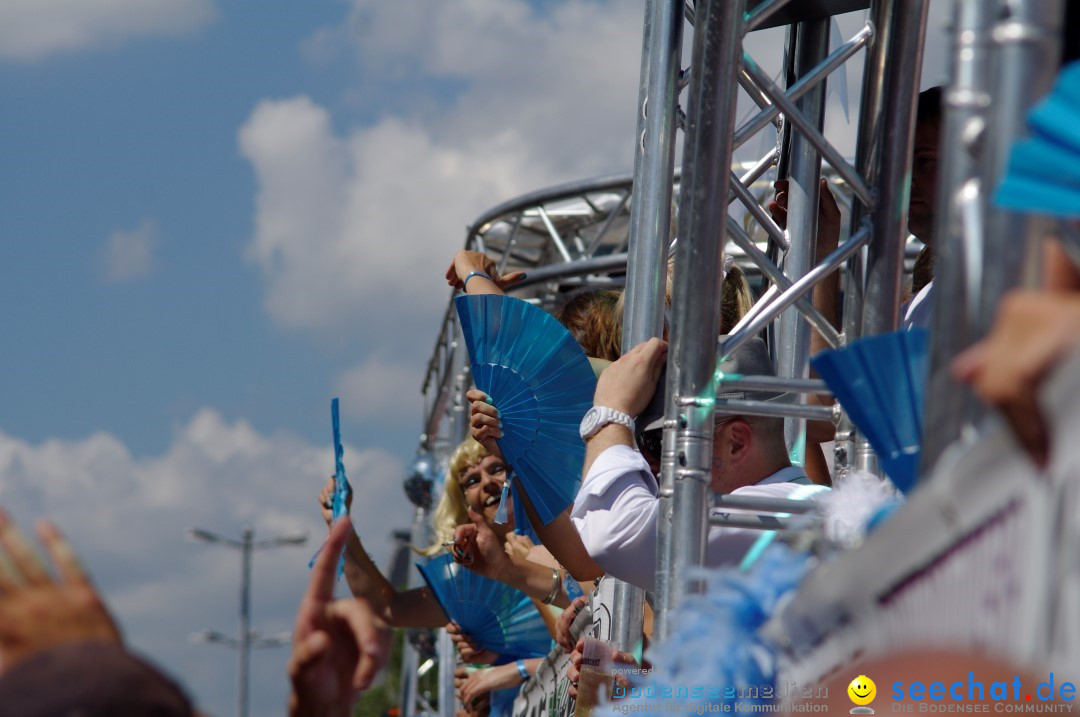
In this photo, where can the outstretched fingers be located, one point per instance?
(324, 572)
(61, 552)
(370, 636)
(24, 565)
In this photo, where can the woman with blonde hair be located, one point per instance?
(473, 485)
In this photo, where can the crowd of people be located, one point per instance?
(60, 648)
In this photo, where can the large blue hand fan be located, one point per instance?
(494, 615)
(342, 489)
(541, 381)
(879, 380)
(1044, 169)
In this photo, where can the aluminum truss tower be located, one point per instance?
(616, 230)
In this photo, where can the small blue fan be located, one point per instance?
(879, 380)
(541, 381)
(494, 615)
(1044, 169)
(342, 489)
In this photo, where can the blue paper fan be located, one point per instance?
(541, 381)
(494, 615)
(342, 489)
(879, 380)
(1044, 169)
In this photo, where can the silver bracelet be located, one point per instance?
(554, 587)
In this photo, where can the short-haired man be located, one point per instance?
(616, 508)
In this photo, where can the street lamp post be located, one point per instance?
(248, 638)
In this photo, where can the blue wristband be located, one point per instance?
(471, 274)
(521, 670)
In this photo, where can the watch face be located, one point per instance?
(588, 423)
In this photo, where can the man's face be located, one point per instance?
(924, 181)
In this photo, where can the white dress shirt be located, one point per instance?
(616, 507)
(919, 310)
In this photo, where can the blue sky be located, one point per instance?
(215, 216)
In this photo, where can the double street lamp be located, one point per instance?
(248, 638)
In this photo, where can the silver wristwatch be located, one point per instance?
(599, 416)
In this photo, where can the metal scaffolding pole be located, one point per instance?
(691, 394)
(793, 350)
(1028, 40)
(958, 232)
(1006, 57)
(419, 534)
(650, 219)
(886, 129)
(457, 430)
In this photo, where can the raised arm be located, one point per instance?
(826, 299)
(475, 272)
(478, 548)
(559, 536)
(408, 608)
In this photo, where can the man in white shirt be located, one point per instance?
(616, 508)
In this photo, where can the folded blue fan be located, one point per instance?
(1044, 169)
(521, 519)
(541, 381)
(494, 615)
(879, 380)
(342, 489)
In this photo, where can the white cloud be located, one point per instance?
(358, 226)
(33, 29)
(127, 516)
(129, 255)
(370, 392)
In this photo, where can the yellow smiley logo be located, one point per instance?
(862, 690)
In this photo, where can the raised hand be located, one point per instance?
(39, 612)
(470, 652)
(484, 423)
(338, 646)
(466, 262)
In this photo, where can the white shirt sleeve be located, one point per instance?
(615, 512)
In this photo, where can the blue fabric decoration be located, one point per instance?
(541, 382)
(714, 643)
(494, 615)
(1044, 169)
(879, 380)
(342, 489)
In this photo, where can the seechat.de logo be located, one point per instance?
(862, 692)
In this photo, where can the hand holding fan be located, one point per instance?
(496, 616)
(540, 380)
(342, 489)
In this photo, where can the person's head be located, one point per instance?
(924, 165)
(594, 318)
(89, 679)
(746, 449)
(474, 479)
(736, 300)
(736, 297)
